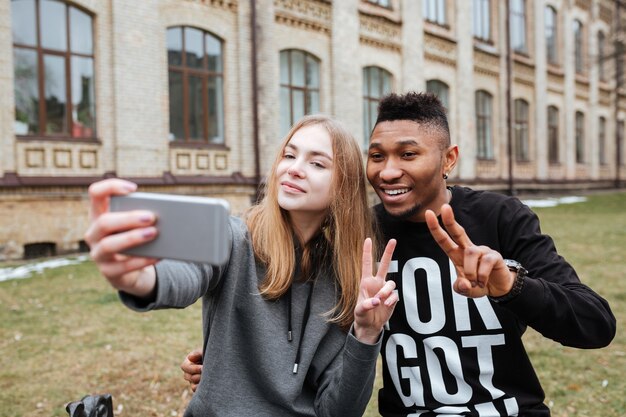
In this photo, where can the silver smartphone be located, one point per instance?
(190, 228)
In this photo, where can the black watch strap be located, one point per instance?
(520, 278)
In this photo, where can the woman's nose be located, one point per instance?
(295, 170)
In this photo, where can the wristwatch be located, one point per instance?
(517, 267)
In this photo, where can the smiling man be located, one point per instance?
(467, 292)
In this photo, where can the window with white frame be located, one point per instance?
(381, 3)
(441, 90)
(602, 141)
(553, 134)
(484, 106)
(434, 11)
(518, 26)
(299, 86)
(620, 141)
(482, 19)
(520, 130)
(601, 56)
(580, 137)
(578, 47)
(550, 18)
(376, 84)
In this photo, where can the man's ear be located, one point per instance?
(451, 156)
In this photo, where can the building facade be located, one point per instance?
(193, 96)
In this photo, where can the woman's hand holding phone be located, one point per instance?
(111, 233)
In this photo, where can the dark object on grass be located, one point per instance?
(91, 406)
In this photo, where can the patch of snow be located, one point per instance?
(26, 271)
(553, 202)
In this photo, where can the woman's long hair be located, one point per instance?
(348, 223)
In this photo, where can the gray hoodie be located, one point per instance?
(248, 360)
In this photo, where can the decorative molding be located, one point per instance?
(604, 97)
(314, 15)
(584, 4)
(88, 159)
(202, 161)
(62, 158)
(582, 90)
(524, 73)
(302, 24)
(556, 82)
(35, 157)
(221, 162)
(439, 49)
(183, 161)
(230, 5)
(378, 27)
(486, 64)
(376, 43)
(12, 180)
(606, 14)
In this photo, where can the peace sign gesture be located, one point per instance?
(480, 269)
(377, 298)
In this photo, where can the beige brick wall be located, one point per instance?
(132, 96)
(7, 151)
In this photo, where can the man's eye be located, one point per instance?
(409, 154)
(376, 156)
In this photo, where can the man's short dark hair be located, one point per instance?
(423, 108)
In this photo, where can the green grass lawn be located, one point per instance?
(64, 334)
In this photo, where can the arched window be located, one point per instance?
(441, 90)
(376, 84)
(620, 142)
(551, 35)
(553, 134)
(195, 85)
(518, 26)
(602, 141)
(299, 86)
(601, 56)
(580, 137)
(53, 57)
(578, 47)
(520, 130)
(484, 115)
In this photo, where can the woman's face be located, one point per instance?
(305, 174)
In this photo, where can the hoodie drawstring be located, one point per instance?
(305, 320)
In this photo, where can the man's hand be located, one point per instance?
(192, 368)
(480, 269)
(377, 298)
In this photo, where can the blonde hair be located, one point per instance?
(348, 223)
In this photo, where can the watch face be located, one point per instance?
(513, 265)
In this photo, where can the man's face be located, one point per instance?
(405, 165)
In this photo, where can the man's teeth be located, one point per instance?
(396, 192)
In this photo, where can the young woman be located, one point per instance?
(290, 328)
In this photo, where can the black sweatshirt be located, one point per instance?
(448, 354)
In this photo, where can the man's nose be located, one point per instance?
(390, 172)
